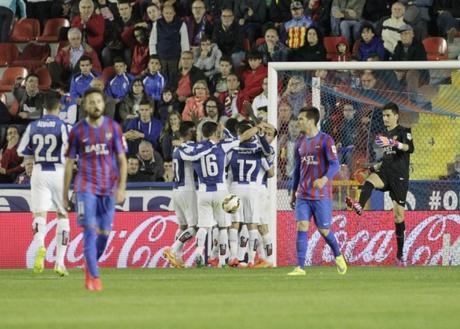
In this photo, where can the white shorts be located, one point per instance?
(185, 206)
(264, 204)
(249, 210)
(210, 210)
(47, 190)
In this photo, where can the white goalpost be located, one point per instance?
(274, 95)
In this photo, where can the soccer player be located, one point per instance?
(209, 162)
(184, 195)
(44, 141)
(316, 164)
(248, 166)
(97, 142)
(391, 174)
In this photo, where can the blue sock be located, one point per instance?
(101, 243)
(302, 243)
(332, 242)
(89, 249)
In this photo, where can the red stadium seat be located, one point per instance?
(260, 41)
(52, 29)
(246, 44)
(8, 53)
(330, 43)
(44, 78)
(107, 74)
(9, 77)
(33, 56)
(25, 30)
(436, 48)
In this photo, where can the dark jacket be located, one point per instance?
(415, 52)
(309, 53)
(153, 169)
(169, 38)
(36, 102)
(280, 11)
(258, 6)
(229, 41)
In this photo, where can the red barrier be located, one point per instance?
(138, 239)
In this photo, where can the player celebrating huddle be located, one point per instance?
(97, 142)
(391, 174)
(316, 164)
(45, 140)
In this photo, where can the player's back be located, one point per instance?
(247, 164)
(183, 169)
(45, 139)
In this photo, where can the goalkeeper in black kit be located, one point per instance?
(391, 174)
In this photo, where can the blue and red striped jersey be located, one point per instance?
(97, 149)
(314, 157)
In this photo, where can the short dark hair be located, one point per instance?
(205, 38)
(230, 125)
(133, 158)
(85, 58)
(185, 127)
(311, 113)
(32, 75)
(209, 128)
(154, 57)
(392, 107)
(51, 101)
(242, 127)
(146, 101)
(118, 60)
(226, 59)
(254, 54)
(92, 91)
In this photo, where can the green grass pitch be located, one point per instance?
(367, 297)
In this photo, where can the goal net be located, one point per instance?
(349, 96)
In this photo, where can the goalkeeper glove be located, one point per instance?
(383, 141)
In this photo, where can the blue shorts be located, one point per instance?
(95, 210)
(321, 210)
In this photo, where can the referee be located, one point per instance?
(391, 174)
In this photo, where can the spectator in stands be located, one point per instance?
(168, 175)
(29, 99)
(7, 15)
(153, 80)
(294, 31)
(151, 163)
(108, 10)
(455, 173)
(213, 111)
(81, 82)
(229, 98)
(229, 37)
(69, 109)
(320, 12)
(91, 25)
(347, 134)
(128, 108)
(168, 104)
(153, 14)
(370, 43)
(251, 15)
(169, 133)
(313, 49)
(375, 11)
(24, 178)
(140, 51)
(168, 39)
(119, 85)
(65, 64)
(10, 162)
(219, 80)
(120, 41)
(61, 8)
(296, 94)
(199, 24)
(410, 49)
(193, 110)
(144, 127)
(207, 57)
(448, 25)
(261, 100)
(272, 49)
(346, 18)
(134, 175)
(343, 53)
(391, 32)
(279, 12)
(284, 116)
(39, 9)
(187, 77)
(418, 15)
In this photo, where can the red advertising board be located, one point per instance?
(138, 239)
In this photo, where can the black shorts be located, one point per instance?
(396, 185)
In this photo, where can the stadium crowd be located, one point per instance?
(162, 62)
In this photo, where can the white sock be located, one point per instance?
(243, 242)
(253, 241)
(233, 240)
(215, 242)
(260, 248)
(223, 245)
(200, 241)
(185, 236)
(268, 247)
(62, 239)
(38, 225)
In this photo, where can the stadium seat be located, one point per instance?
(330, 43)
(260, 41)
(246, 44)
(44, 78)
(25, 30)
(33, 56)
(52, 29)
(8, 53)
(436, 48)
(107, 74)
(9, 77)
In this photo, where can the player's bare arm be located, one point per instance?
(123, 168)
(68, 172)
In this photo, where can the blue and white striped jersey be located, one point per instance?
(183, 169)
